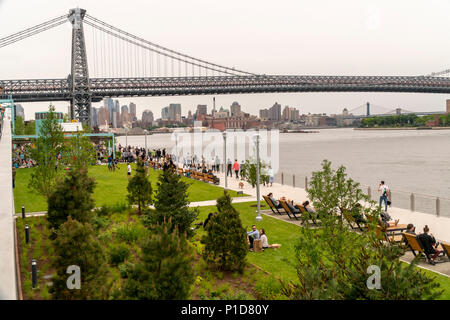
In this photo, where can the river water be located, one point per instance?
(409, 161)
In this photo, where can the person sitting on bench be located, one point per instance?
(308, 207)
(356, 214)
(386, 218)
(411, 229)
(292, 208)
(276, 203)
(429, 243)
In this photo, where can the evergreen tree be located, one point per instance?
(165, 270)
(49, 145)
(76, 246)
(72, 197)
(171, 202)
(139, 188)
(226, 240)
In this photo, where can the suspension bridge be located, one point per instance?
(373, 110)
(124, 65)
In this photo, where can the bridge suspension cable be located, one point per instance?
(439, 73)
(166, 53)
(32, 31)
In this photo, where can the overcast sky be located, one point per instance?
(322, 37)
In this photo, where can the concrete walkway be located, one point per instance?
(8, 284)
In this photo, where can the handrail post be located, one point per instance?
(282, 178)
(412, 201)
(293, 180)
(438, 206)
(306, 183)
(369, 192)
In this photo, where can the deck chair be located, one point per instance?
(288, 211)
(306, 215)
(416, 245)
(272, 205)
(446, 247)
(355, 225)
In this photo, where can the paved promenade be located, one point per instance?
(8, 289)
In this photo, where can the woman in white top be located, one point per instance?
(129, 169)
(263, 237)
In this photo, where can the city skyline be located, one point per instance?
(349, 38)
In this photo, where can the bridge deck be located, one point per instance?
(8, 280)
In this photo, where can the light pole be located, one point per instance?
(126, 138)
(145, 131)
(258, 206)
(176, 149)
(224, 134)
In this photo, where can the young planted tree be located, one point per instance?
(79, 153)
(171, 202)
(139, 188)
(226, 240)
(49, 145)
(334, 262)
(165, 270)
(72, 197)
(75, 246)
(248, 172)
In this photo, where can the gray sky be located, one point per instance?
(322, 37)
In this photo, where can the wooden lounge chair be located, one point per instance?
(416, 245)
(306, 215)
(446, 248)
(355, 225)
(288, 211)
(272, 206)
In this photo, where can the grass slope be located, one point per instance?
(111, 188)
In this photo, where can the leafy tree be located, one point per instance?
(171, 202)
(79, 152)
(165, 270)
(19, 126)
(30, 128)
(49, 145)
(72, 197)
(139, 188)
(248, 172)
(75, 245)
(226, 240)
(333, 262)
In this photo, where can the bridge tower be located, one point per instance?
(80, 103)
(368, 109)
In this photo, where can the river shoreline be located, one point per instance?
(405, 128)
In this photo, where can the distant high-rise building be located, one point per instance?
(275, 112)
(103, 117)
(94, 117)
(165, 113)
(109, 104)
(125, 116)
(235, 109)
(147, 117)
(264, 113)
(133, 111)
(448, 106)
(18, 111)
(202, 109)
(190, 117)
(175, 112)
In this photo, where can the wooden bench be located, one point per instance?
(272, 205)
(306, 215)
(288, 211)
(415, 245)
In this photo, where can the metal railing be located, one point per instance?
(415, 202)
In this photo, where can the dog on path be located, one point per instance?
(241, 185)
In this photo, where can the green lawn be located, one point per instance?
(280, 262)
(111, 188)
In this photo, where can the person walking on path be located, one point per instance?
(217, 163)
(236, 168)
(271, 176)
(229, 168)
(384, 193)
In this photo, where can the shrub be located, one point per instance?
(75, 245)
(165, 270)
(129, 232)
(118, 254)
(226, 239)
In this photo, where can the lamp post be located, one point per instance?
(224, 134)
(258, 206)
(176, 149)
(126, 138)
(145, 131)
